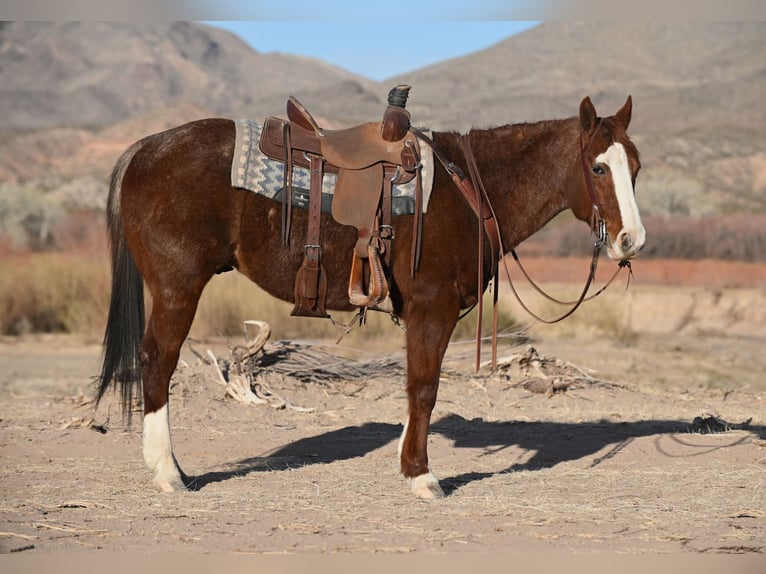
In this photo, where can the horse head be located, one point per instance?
(604, 194)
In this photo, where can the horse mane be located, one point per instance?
(518, 137)
(513, 141)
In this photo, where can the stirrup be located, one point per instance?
(377, 292)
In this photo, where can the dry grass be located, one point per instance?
(708, 273)
(66, 289)
(53, 292)
(231, 298)
(69, 293)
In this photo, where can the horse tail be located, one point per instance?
(121, 365)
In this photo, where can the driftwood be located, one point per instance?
(236, 374)
(545, 375)
(243, 372)
(315, 364)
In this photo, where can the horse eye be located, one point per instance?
(598, 169)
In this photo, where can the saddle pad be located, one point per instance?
(253, 171)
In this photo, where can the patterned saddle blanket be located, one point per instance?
(253, 171)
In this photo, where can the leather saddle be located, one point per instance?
(368, 159)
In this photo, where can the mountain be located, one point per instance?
(93, 74)
(73, 95)
(698, 93)
(716, 69)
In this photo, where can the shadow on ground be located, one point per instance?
(552, 443)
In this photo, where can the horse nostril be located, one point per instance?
(626, 241)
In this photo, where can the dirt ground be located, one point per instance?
(612, 464)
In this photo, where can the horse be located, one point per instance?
(174, 221)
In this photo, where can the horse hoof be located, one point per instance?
(170, 485)
(426, 486)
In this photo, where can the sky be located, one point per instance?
(373, 49)
(379, 40)
(385, 20)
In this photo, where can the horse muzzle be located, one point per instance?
(627, 245)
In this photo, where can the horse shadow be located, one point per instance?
(553, 443)
(333, 446)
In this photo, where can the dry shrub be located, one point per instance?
(53, 293)
(231, 298)
(610, 315)
(60, 285)
(506, 322)
(82, 232)
(735, 237)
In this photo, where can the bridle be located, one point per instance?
(475, 193)
(598, 228)
(597, 222)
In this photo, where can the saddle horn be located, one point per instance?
(396, 119)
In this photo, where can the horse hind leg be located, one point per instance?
(158, 452)
(170, 321)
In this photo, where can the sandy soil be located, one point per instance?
(613, 464)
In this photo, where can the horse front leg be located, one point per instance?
(428, 332)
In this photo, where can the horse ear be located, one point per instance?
(587, 115)
(623, 116)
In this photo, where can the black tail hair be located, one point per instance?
(121, 365)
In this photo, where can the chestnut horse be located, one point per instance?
(175, 221)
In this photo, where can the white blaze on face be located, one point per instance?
(630, 239)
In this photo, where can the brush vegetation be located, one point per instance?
(69, 293)
(59, 282)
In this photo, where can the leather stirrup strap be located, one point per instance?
(385, 230)
(468, 190)
(311, 280)
(287, 180)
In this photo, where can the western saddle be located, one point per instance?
(368, 160)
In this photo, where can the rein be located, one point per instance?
(475, 193)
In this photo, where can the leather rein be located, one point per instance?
(475, 193)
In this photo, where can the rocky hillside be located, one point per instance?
(73, 95)
(94, 74)
(698, 90)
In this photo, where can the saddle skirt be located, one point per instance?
(254, 171)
